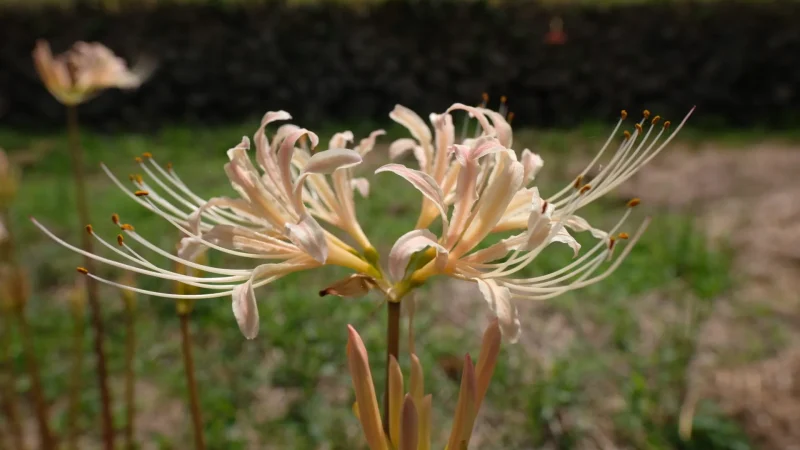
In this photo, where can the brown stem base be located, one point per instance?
(392, 349)
(40, 403)
(188, 366)
(76, 155)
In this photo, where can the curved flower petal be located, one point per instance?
(368, 143)
(493, 202)
(424, 183)
(413, 122)
(579, 224)
(407, 245)
(499, 300)
(308, 235)
(532, 163)
(244, 305)
(331, 160)
(501, 127)
(340, 140)
(476, 113)
(361, 185)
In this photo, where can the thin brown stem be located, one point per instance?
(7, 394)
(76, 155)
(47, 441)
(130, 374)
(73, 405)
(392, 349)
(188, 366)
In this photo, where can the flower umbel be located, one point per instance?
(272, 222)
(85, 70)
(487, 185)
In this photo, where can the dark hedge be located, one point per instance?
(738, 62)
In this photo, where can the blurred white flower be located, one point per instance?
(272, 222)
(487, 185)
(85, 70)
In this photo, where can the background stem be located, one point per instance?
(188, 365)
(73, 405)
(130, 374)
(76, 155)
(8, 396)
(40, 404)
(392, 349)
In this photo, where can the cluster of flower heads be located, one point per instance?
(476, 187)
(489, 189)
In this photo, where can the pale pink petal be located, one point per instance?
(308, 235)
(331, 160)
(501, 127)
(368, 143)
(283, 131)
(240, 149)
(400, 147)
(493, 202)
(286, 152)
(533, 163)
(476, 113)
(488, 146)
(238, 206)
(340, 140)
(407, 245)
(580, 224)
(499, 300)
(245, 309)
(424, 183)
(361, 185)
(413, 122)
(564, 237)
(236, 238)
(445, 137)
(539, 222)
(264, 154)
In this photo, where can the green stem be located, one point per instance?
(188, 366)
(40, 404)
(73, 406)
(392, 349)
(130, 374)
(76, 155)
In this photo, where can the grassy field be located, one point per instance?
(561, 387)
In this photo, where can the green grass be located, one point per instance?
(289, 388)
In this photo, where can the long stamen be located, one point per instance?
(173, 177)
(138, 200)
(505, 269)
(120, 265)
(554, 292)
(210, 244)
(586, 170)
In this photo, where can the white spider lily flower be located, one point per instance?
(433, 152)
(491, 197)
(85, 70)
(270, 223)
